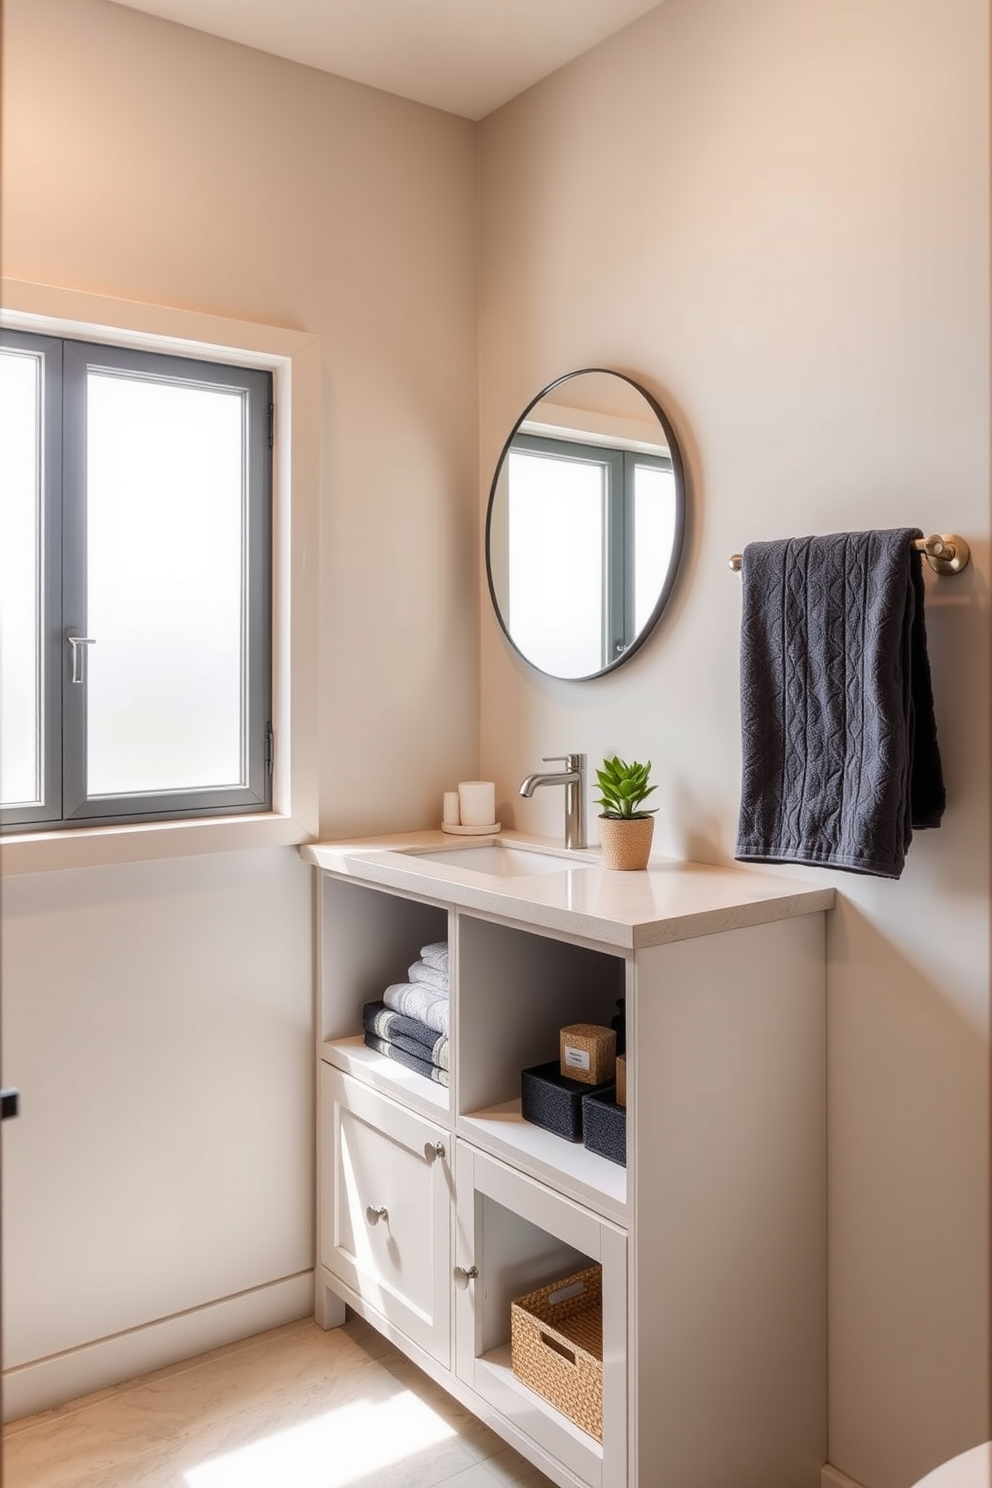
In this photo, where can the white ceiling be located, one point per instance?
(465, 56)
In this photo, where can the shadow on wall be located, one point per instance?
(908, 1208)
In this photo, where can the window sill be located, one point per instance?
(136, 842)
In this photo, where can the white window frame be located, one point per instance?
(293, 357)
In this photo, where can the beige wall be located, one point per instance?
(151, 162)
(775, 214)
(157, 1017)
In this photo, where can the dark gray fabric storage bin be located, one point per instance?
(604, 1125)
(550, 1100)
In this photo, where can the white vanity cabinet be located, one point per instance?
(438, 1206)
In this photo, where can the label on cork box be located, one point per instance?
(576, 1058)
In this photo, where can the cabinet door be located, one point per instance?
(385, 1209)
(519, 1235)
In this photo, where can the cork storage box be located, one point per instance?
(588, 1053)
(556, 1346)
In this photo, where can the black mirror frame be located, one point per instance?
(678, 470)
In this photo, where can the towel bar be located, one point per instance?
(945, 552)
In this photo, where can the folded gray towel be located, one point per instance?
(415, 1000)
(420, 971)
(840, 757)
(436, 955)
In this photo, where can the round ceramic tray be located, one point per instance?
(489, 831)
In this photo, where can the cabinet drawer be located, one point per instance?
(385, 1204)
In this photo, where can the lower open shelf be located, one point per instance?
(498, 1363)
(568, 1166)
(354, 1057)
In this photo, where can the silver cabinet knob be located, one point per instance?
(463, 1277)
(433, 1151)
(374, 1215)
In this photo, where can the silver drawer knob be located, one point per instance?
(374, 1215)
(433, 1151)
(463, 1277)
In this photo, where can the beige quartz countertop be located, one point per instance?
(671, 900)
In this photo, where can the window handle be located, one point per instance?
(78, 643)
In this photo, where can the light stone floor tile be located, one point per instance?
(476, 1476)
(293, 1408)
(509, 1470)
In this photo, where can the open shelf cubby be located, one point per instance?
(519, 1257)
(369, 939)
(516, 990)
(523, 1237)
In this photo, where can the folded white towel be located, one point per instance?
(429, 976)
(417, 1000)
(436, 955)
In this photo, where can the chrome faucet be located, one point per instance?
(573, 778)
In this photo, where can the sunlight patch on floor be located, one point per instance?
(340, 1447)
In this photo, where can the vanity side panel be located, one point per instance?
(727, 1103)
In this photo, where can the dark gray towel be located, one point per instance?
(406, 1033)
(840, 757)
(409, 1061)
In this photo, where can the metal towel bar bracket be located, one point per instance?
(945, 552)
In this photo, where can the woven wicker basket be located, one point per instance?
(556, 1343)
(626, 843)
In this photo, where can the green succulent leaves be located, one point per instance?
(624, 787)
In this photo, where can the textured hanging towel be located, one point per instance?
(840, 757)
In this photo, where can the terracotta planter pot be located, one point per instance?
(626, 844)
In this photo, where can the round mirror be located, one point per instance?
(585, 522)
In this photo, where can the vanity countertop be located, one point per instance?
(670, 900)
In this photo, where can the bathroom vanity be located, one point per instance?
(437, 1206)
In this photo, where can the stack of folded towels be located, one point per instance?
(410, 1023)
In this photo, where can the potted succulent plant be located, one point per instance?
(625, 828)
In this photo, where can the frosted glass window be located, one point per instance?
(21, 558)
(165, 543)
(556, 608)
(135, 585)
(654, 528)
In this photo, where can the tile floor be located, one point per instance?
(294, 1408)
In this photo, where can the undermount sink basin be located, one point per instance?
(500, 861)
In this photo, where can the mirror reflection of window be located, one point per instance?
(654, 536)
(557, 505)
(607, 518)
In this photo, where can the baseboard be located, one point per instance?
(832, 1477)
(107, 1361)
